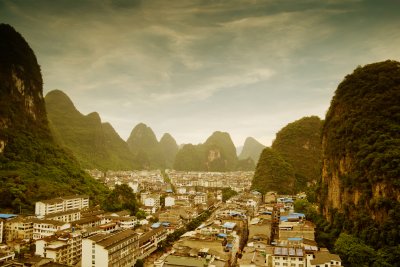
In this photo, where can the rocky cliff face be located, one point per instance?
(361, 146)
(21, 100)
(32, 166)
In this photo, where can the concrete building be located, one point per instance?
(115, 249)
(65, 216)
(296, 229)
(169, 201)
(65, 248)
(152, 201)
(18, 228)
(61, 204)
(200, 198)
(285, 256)
(46, 228)
(323, 259)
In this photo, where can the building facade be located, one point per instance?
(61, 204)
(115, 249)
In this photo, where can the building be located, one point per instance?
(65, 216)
(152, 201)
(46, 228)
(18, 228)
(115, 249)
(169, 201)
(148, 242)
(200, 198)
(296, 229)
(323, 259)
(285, 256)
(65, 248)
(60, 204)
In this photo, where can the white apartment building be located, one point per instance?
(291, 257)
(65, 216)
(64, 249)
(61, 204)
(153, 201)
(200, 198)
(115, 249)
(46, 228)
(169, 201)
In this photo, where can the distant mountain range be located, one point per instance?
(217, 153)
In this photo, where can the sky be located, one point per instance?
(192, 67)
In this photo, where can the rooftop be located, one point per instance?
(185, 261)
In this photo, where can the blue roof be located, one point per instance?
(267, 212)
(7, 216)
(165, 223)
(229, 225)
(156, 225)
(229, 245)
(222, 235)
(284, 218)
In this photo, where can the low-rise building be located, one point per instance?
(114, 249)
(60, 204)
(324, 259)
(65, 216)
(169, 201)
(200, 198)
(65, 248)
(46, 228)
(285, 256)
(18, 228)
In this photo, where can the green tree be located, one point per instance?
(353, 251)
(121, 198)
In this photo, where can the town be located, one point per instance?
(189, 220)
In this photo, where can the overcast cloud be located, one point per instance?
(189, 68)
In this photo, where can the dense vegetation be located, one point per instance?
(299, 143)
(227, 193)
(251, 149)
(32, 166)
(218, 153)
(143, 143)
(169, 148)
(121, 198)
(273, 173)
(94, 144)
(361, 146)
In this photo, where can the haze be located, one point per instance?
(193, 67)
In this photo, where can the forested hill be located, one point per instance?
(218, 153)
(93, 143)
(360, 186)
(32, 166)
(169, 148)
(251, 149)
(147, 151)
(299, 143)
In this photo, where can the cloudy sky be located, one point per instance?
(191, 67)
